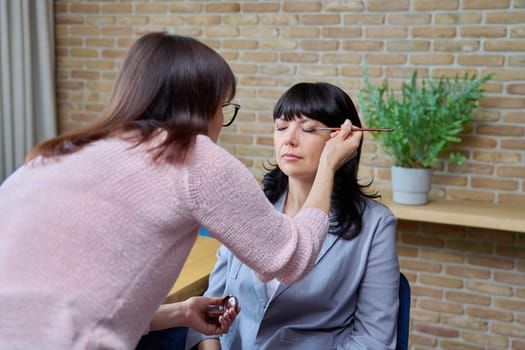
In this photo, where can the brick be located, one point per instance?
(299, 57)
(319, 45)
(83, 52)
(518, 89)
(481, 60)
(68, 20)
(489, 314)
(419, 339)
(467, 298)
(431, 59)
(418, 265)
(422, 240)
(385, 32)
(441, 306)
(489, 288)
(303, 6)
(203, 20)
(409, 19)
(433, 32)
(240, 68)
(518, 345)
(393, 5)
(276, 69)
(438, 331)
(485, 339)
(458, 345)
(340, 58)
(246, 20)
(386, 59)
(483, 4)
(450, 180)
(442, 256)
(261, 7)
(511, 251)
(300, 32)
(222, 7)
(166, 20)
(486, 32)
(259, 56)
(336, 32)
(441, 281)
(117, 8)
(459, 18)
(509, 304)
(339, 6)
(498, 157)
(508, 329)
(431, 5)
(465, 322)
(114, 31)
(491, 261)
(505, 17)
(504, 45)
(280, 19)
(185, 7)
(517, 32)
(457, 45)
(496, 184)
(514, 117)
(518, 144)
(362, 19)
(511, 278)
(516, 61)
(511, 172)
(316, 70)
(151, 8)
(422, 291)
(278, 44)
(83, 8)
(408, 45)
(362, 45)
(467, 272)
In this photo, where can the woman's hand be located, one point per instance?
(192, 313)
(341, 147)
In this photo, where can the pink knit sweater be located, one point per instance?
(91, 243)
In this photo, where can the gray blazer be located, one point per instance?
(348, 301)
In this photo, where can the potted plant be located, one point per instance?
(427, 116)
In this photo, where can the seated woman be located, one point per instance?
(350, 298)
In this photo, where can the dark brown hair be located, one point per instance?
(167, 82)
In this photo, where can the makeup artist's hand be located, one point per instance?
(341, 147)
(192, 313)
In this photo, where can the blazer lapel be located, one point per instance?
(327, 245)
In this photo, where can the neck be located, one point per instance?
(297, 193)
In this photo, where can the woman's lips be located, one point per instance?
(290, 156)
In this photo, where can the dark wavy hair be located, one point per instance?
(167, 82)
(330, 105)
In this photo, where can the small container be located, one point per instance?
(229, 301)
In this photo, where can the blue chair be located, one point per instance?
(403, 316)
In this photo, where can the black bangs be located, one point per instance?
(319, 101)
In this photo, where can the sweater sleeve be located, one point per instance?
(227, 200)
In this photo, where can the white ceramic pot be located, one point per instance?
(411, 185)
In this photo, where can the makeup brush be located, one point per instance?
(355, 128)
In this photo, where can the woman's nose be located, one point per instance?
(290, 136)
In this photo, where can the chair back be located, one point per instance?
(403, 316)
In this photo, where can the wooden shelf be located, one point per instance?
(505, 217)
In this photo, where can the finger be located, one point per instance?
(346, 129)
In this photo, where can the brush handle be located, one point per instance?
(355, 128)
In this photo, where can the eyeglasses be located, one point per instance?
(229, 110)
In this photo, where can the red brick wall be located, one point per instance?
(468, 284)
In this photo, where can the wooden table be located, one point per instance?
(193, 278)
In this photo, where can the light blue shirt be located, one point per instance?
(348, 301)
